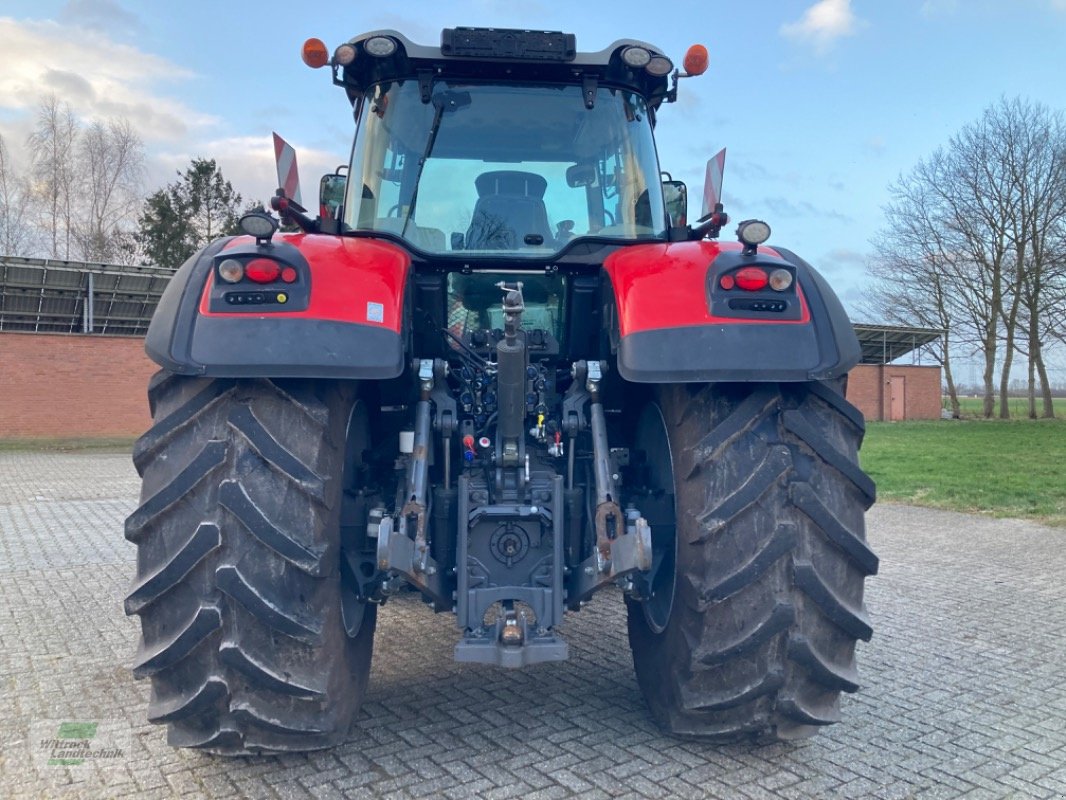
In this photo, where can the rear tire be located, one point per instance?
(771, 559)
(238, 549)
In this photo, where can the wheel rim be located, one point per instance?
(652, 439)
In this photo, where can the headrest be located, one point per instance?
(506, 181)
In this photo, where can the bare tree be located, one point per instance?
(946, 224)
(16, 230)
(53, 146)
(914, 257)
(975, 191)
(1038, 163)
(977, 225)
(110, 175)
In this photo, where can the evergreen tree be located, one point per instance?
(186, 215)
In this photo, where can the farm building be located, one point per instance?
(888, 391)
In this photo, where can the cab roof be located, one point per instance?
(511, 55)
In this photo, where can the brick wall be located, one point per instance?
(65, 385)
(870, 387)
(68, 385)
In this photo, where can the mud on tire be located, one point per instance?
(238, 585)
(771, 560)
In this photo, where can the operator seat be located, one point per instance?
(510, 207)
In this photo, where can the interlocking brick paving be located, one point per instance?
(964, 682)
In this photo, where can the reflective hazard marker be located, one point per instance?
(712, 182)
(288, 174)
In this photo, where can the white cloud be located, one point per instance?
(99, 77)
(823, 23)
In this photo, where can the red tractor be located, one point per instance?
(498, 368)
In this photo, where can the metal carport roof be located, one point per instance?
(883, 344)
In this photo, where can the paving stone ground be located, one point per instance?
(964, 682)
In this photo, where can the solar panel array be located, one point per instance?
(883, 344)
(51, 296)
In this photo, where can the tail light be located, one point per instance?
(262, 270)
(780, 279)
(231, 270)
(751, 279)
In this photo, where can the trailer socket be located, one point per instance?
(511, 634)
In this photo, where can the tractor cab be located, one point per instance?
(491, 170)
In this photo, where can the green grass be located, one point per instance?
(1017, 406)
(1011, 468)
(113, 444)
(998, 467)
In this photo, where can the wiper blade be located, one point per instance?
(442, 101)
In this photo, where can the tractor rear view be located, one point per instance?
(498, 368)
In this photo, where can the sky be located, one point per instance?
(821, 104)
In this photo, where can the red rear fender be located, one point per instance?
(340, 314)
(666, 286)
(674, 321)
(351, 280)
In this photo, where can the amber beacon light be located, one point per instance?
(314, 53)
(696, 59)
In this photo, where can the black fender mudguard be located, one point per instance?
(823, 348)
(183, 340)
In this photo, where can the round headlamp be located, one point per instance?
(257, 224)
(753, 232)
(636, 57)
(659, 66)
(344, 55)
(380, 46)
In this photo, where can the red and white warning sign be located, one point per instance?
(712, 182)
(288, 173)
